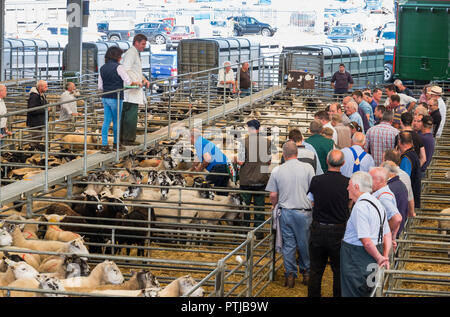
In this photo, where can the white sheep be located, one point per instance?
(57, 234)
(179, 287)
(75, 246)
(16, 270)
(139, 280)
(42, 282)
(64, 267)
(106, 272)
(445, 222)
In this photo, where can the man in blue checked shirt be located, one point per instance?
(383, 193)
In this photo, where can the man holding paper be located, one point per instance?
(133, 97)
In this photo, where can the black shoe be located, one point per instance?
(290, 281)
(121, 147)
(306, 278)
(105, 149)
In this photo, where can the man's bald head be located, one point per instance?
(335, 159)
(347, 99)
(42, 86)
(359, 139)
(380, 177)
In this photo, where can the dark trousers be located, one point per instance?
(324, 243)
(258, 201)
(219, 180)
(339, 93)
(128, 122)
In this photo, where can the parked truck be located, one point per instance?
(422, 43)
(366, 65)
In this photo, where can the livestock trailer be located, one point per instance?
(195, 55)
(365, 65)
(93, 56)
(422, 41)
(31, 58)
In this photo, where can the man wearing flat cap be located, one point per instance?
(435, 94)
(254, 158)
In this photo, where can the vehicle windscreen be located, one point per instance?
(180, 30)
(162, 60)
(341, 31)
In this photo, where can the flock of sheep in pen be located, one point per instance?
(165, 165)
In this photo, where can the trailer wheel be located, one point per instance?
(388, 72)
(114, 38)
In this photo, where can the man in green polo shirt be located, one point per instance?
(321, 144)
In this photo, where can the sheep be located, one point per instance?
(74, 246)
(55, 233)
(19, 173)
(106, 272)
(15, 271)
(29, 230)
(79, 141)
(42, 282)
(179, 287)
(444, 224)
(138, 281)
(65, 267)
(6, 241)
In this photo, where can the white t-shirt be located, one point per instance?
(335, 137)
(443, 112)
(228, 77)
(3, 111)
(404, 100)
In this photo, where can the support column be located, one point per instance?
(75, 21)
(2, 39)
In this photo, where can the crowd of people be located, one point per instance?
(373, 157)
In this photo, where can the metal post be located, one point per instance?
(118, 127)
(146, 123)
(2, 37)
(249, 263)
(209, 96)
(283, 57)
(29, 205)
(272, 73)
(224, 89)
(274, 253)
(46, 150)
(113, 240)
(263, 77)
(170, 106)
(251, 86)
(149, 219)
(219, 282)
(85, 139)
(69, 187)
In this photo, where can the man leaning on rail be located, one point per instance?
(36, 118)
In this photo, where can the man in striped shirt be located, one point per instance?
(381, 137)
(399, 109)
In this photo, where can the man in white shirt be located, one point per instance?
(4, 130)
(226, 80)
(324, 117)
(407, 101)
(69, 109)
(133, 97)
(435, 93)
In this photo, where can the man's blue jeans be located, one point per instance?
(110, 114)
(295, 233)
